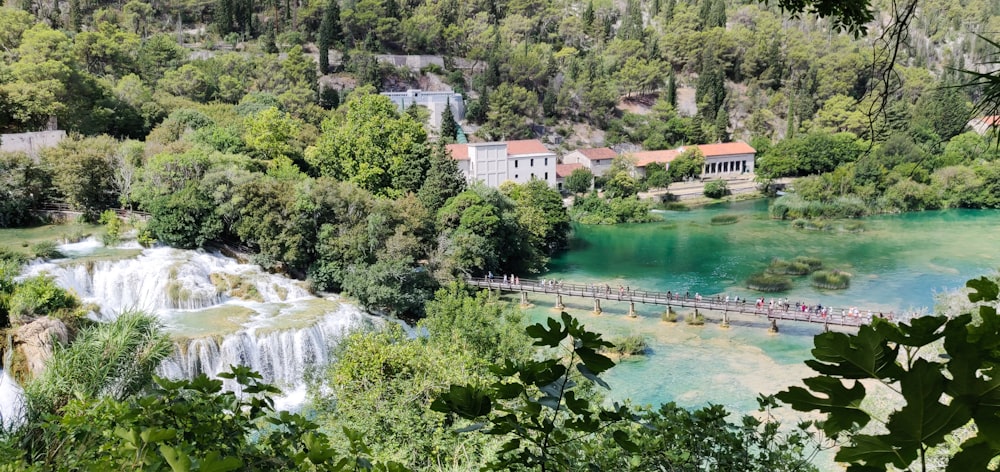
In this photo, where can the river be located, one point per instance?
(898, 262)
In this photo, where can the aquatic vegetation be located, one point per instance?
(46, 250)
(695, 319)
(726, 219)
(669, 315)
(765, 282)
(236, 286)
(627, 346)
(831, 279)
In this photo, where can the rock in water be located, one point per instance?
(34, 342)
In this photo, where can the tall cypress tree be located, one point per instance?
(670, 94)
(329, 33)
(588, 14)
(223, 19)
(270, 46)
(449, 129)
(443, 180)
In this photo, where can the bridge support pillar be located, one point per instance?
(725, 320)
(524, 299)
(559, 303)
(826, 326)
(774, 326)
(631, 309)
(597, 306)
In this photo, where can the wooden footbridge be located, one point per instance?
(774, 311)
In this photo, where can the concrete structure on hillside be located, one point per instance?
(434, 101)
(31, 143)
(498, 162)
(984, 124)
(724, 160)
(598, 160)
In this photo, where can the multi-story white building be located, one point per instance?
(499, 162)
(434, 101)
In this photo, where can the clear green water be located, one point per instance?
(898, 264)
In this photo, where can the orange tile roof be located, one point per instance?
(993, 120)
(563, 170)
(644, 158)
(598, 153)
(526, 146)
(726, 149)
(459, 152)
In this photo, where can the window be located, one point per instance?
(515, 176)
(532, 164)
(546, 161)
(532, 176)
(546, 176)
(515, 163)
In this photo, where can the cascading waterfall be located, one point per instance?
(282, 356)
(166, 279)
(219, 311)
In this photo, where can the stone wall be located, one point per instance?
(31, 143)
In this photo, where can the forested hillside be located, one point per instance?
(120, 69)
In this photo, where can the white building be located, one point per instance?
(434, 101)
(499, 162)
(722, 161)
(598, 160)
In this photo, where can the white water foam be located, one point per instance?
(11, 403)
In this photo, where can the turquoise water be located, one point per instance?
(899, 263)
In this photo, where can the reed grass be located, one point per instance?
(765, 282)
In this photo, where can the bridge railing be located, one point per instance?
(812, 313)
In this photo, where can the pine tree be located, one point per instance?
(443, 180)
(449, 129)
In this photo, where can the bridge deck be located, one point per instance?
(834, 316)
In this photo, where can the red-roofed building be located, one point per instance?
(598, 160)
(721, 160)
(563, 171)
(499, 162)
(984, 124)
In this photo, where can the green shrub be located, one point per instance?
(669, 315)
(727, 219)
(7, 255)
(831, 279)
(765, 282)
(813, 263)
(46, 250)
(40, 296)
(695, 319)
(112, 228)
(633, 345)
(716, 189)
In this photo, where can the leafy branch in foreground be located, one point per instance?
(938, 396)
(541, 404)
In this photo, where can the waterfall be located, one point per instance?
(11, 402)
(167, 279)
(218, 311)
(283, 357)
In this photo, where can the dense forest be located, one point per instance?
(257, 127)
